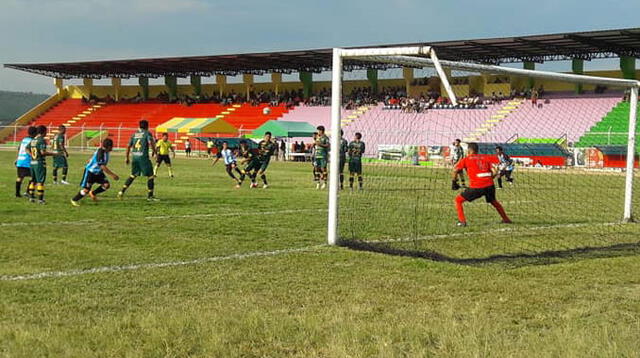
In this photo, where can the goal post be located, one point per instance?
(628, 191)
(409, 57)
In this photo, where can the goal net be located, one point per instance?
(566, 181)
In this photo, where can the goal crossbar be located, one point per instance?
(410, 61)
(366, 54)
(405, 56)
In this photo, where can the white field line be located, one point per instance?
(78, 222)
(186, 216)
(134, 267)
(222, 214)
(512, 228)
(240, 213)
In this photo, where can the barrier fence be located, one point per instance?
(89, 137)
(85, 138)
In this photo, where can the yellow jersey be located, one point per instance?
(163, 147)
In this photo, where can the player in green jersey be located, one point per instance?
(321, 155)
(249, 162)
(139, 145)
(266, 148)
(356, 150)
(37, 149)
(60, 159)
(316, 173)
(344, 147)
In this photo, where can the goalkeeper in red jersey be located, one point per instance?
(481, 173)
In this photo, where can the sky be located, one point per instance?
(33, 31)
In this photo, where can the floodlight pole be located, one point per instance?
(631, 151)
(336, 107)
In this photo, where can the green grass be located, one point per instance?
(323, 301)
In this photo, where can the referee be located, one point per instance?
(164, 146)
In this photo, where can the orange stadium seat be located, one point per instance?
(59, 114)
(121, 119)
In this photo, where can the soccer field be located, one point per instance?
(216, 272)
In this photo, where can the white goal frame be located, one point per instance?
(406, 56)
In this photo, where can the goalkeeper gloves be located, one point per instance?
(455, 185)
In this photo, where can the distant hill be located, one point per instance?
(15, 104)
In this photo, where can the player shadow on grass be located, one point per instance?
(510, 260)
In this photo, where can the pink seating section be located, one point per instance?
(393, 127)
(314, 115)
(566, 115)
(434, 127)
(562, 116)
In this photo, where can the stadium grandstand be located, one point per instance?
(494, 109)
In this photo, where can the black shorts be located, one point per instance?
(472, 194)
(188, 150)
(24, 172)
(89, 178)
(163, 158)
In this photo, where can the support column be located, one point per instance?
(87, 84)
(115, 83)
(171, 82)
(407, 74)
(247, 79)
(144, 86)
(307, 83)
(477, 85)
(372, 76)
(628, 67)
(59, 83)
(530, 81)
(221, 81)
(196, 84)
(276, 80)
(443, 90)
(577, 67)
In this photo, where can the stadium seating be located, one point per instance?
(314, 115)
(381, 126)
(436, 127)
(562, 117)
(121, 119)
(59, 114)
(612, 130)
(246, 117)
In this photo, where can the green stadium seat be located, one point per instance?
(611, 130)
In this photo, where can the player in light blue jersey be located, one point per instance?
(23, 162)
(94, 173)
(230, 163)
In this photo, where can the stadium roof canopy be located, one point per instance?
(535, 48)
